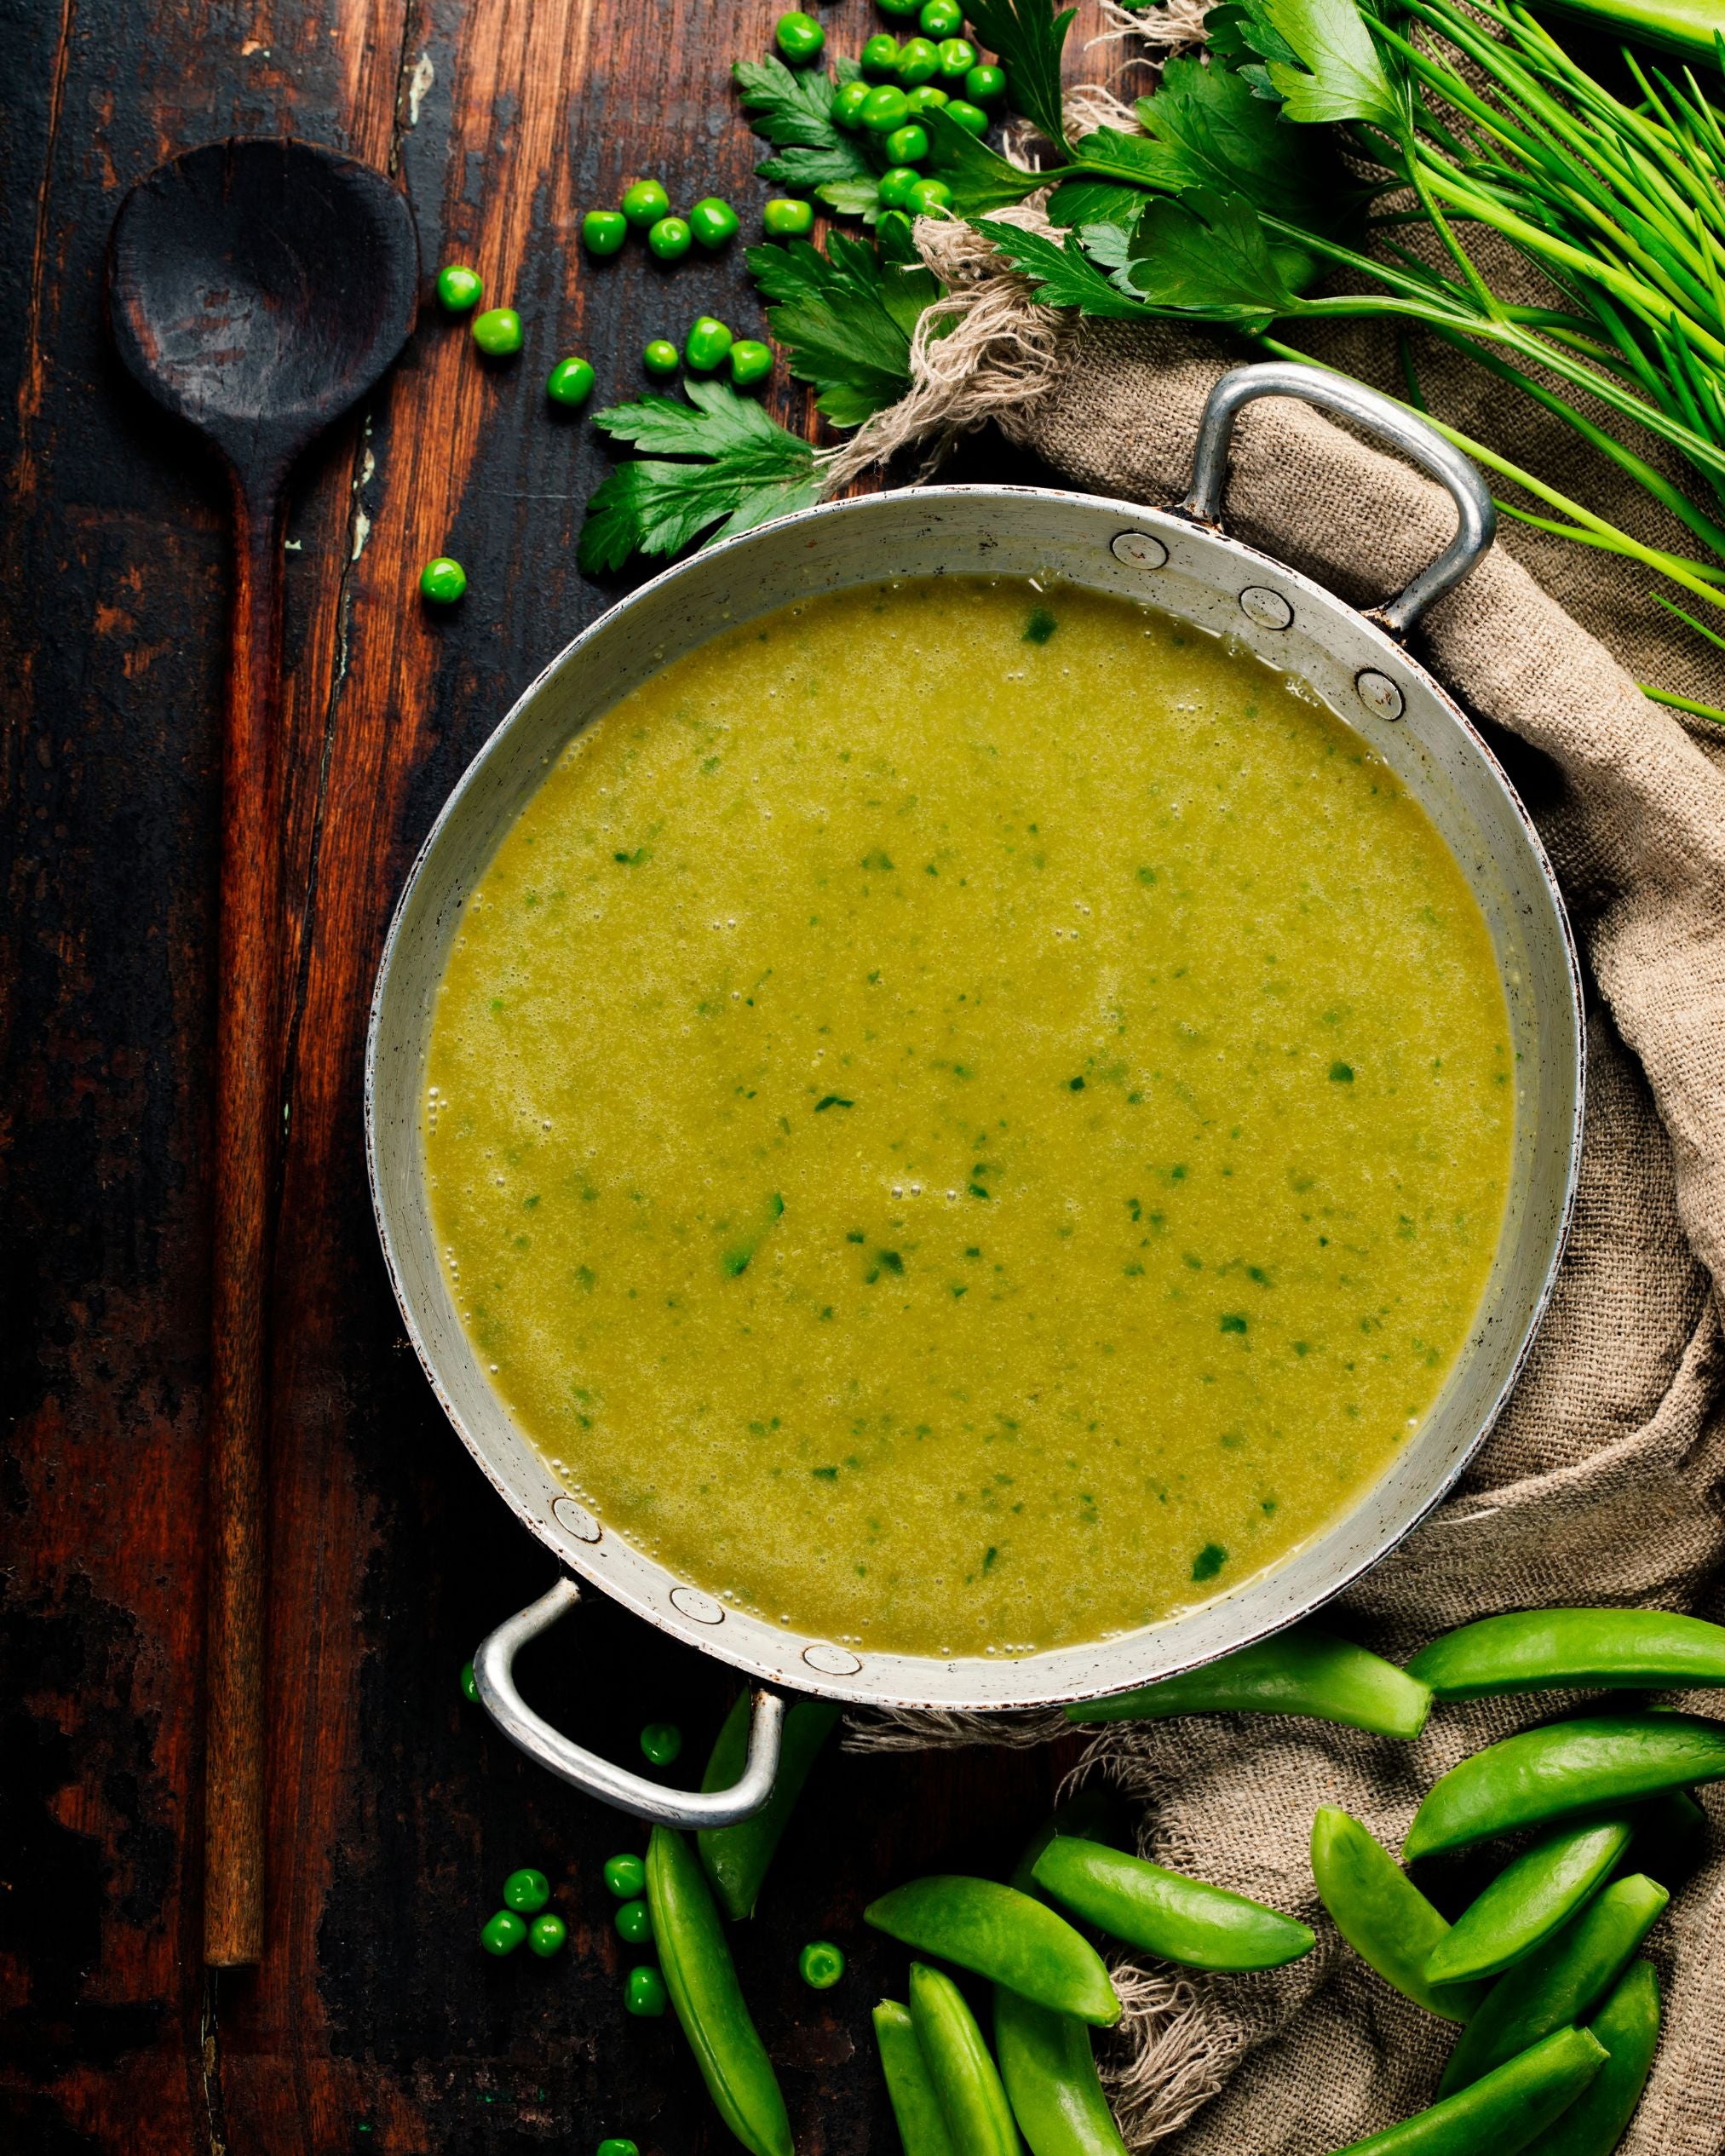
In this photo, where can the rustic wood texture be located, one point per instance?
(373, 2022)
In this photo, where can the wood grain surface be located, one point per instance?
(374, 2023)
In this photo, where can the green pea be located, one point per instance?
(503, 1932)
(907, 144)
(926, 98)
(1005, 1935)
(458, 288)
(918, 60)
(644, 1991)
(469, 1686)
(634, 1922)
(985, 85)
(751, 361)
(965, 2080)
(846, 107)
(1628, 2025)
(917, 2110)
(1501, 2112)
(884, 108)
(786, 218)
(1593, 1764)
(662, 1741)
(940, 18)
(713, 222)
(1528, 1901)
(661, 357)
(1382, 1914)
(898, 7)
(671, 238)
(798, 37)
(895, 183)
(709, 2000)
(603, 231)
(645, 204)
(704, 347)
(1560, 1983)
(880, 54)
(735, 1858)
(957, 56)
(497, 333)
(1163, 1912)
(527, 1890)
(971, 118)
(614, 2145)
(1542, 1650)
(442, 582)
(1304, 1671)
(820, 1965)
(570, 381)
(626, 1875)
(546, 1935)
(926, 197)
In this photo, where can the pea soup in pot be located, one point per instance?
(968, 1118)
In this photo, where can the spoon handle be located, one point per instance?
(247, 1115)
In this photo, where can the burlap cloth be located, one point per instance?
(1602, 1481)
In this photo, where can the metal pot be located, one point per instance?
(1181, 561)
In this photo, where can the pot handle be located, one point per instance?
(494, 1679)
(1476, 515)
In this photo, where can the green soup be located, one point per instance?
(964, 1118)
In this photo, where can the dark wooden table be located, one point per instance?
(375, 2022)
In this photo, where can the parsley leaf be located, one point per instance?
(979, 177)
(845, 318)
(1096, 202)
(1028, 37)
(1317, 56)
(1207, 256)
(793, 109)
(747, 469)
(1062, 275)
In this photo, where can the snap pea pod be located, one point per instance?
(1306, 1671)
(1003, 1935)
(1182, 1919)
(1628, 2025)
(1560, 1983)
(1504, 2111)
(736, 1858)
(965, 2079)
(1541, 1650)
(921, 2124)
(1383, 1915)
(1528, 1901)
(702, 1980)
(1594, 1765)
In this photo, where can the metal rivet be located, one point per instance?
(1379, 694)
(576, 1519)
(694, 1604)
(1139, 550)
(831, 1661)
(1268, 608)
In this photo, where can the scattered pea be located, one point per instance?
(846, 107)
(614, 2145)
(626, 1875)
(469, 1688)
(458, 288)
(928, 196)
(971, 118)
(926, 98)
(820, 1965)
(713, 222)
(985, 85)
(645, 204)
(661, 357)
(645, 1993)
(880, 54)
(704, 347)
(662, 1741)
(634, 1922)
(884, 108)
(570, 381)
(957, 56)
(546, 1935)
(670, 239)
(786, 218)
(907, 144)
(898, 7)
(497, 332)
(798, 37)
(895, 184)
(940, 18)
(504, 1932)
(442, 582)
(918, 60)
(603, 231)
(751, 361)
(527, 1890)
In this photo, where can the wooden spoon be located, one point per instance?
(258, 288)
